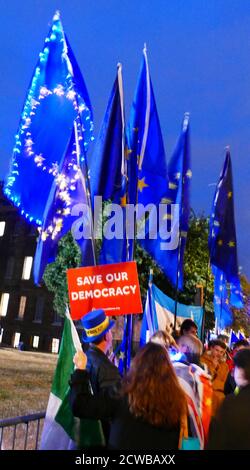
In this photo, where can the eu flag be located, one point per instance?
(56, 95)
(222, 235)
(125, 347)
(178, 196)
(147, 165)
(108, 175)
(68, 208)
(107, 162)
(222, 310)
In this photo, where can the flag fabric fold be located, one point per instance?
(162, 310)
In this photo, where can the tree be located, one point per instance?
(196, 268)
(55, 278)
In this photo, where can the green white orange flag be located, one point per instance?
(61, 430)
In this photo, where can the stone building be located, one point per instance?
(27, 318)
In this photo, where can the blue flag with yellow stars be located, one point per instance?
(179, 174)
(108, 175)
(145, 154)
(68, 209)
(147, 164)
(107, 162)
(151, 183)
(56, 96)
(125, 346)
(222, 241)
(222, 310)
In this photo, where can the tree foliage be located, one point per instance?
(55, 278)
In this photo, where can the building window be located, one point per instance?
(22, 305)
(57, 319)
(39, 310)
(10, 268)
(1, 335)
(35, 342)
(2, 228)
(55, 345)
(16, 340)
(4, 304)
(27, 265)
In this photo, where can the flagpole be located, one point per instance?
(81, 151)
(86, 183)
(204, 303)
(177, 281)
(128, 319)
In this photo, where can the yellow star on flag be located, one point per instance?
(142, 184)
(229, 194)
(231, 244)
(220, 242)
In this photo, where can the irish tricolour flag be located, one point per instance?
(61, 429)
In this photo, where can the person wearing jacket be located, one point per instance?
(230, 428)
(103, 374)
(218, 369)
(146, 413)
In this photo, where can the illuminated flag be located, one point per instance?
(56, 96)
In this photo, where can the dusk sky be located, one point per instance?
(199, 59)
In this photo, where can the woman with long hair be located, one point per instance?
(148, 410)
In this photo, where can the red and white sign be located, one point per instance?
(112, 287)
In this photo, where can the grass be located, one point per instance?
(25, 384)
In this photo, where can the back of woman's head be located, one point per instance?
(152, 387)
(163, 338)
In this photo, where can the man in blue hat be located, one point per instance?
(97, 333)
(104, 375)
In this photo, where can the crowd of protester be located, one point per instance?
(177, 394)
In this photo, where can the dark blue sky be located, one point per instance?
(199, 58)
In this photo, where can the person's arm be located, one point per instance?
(82, 402)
